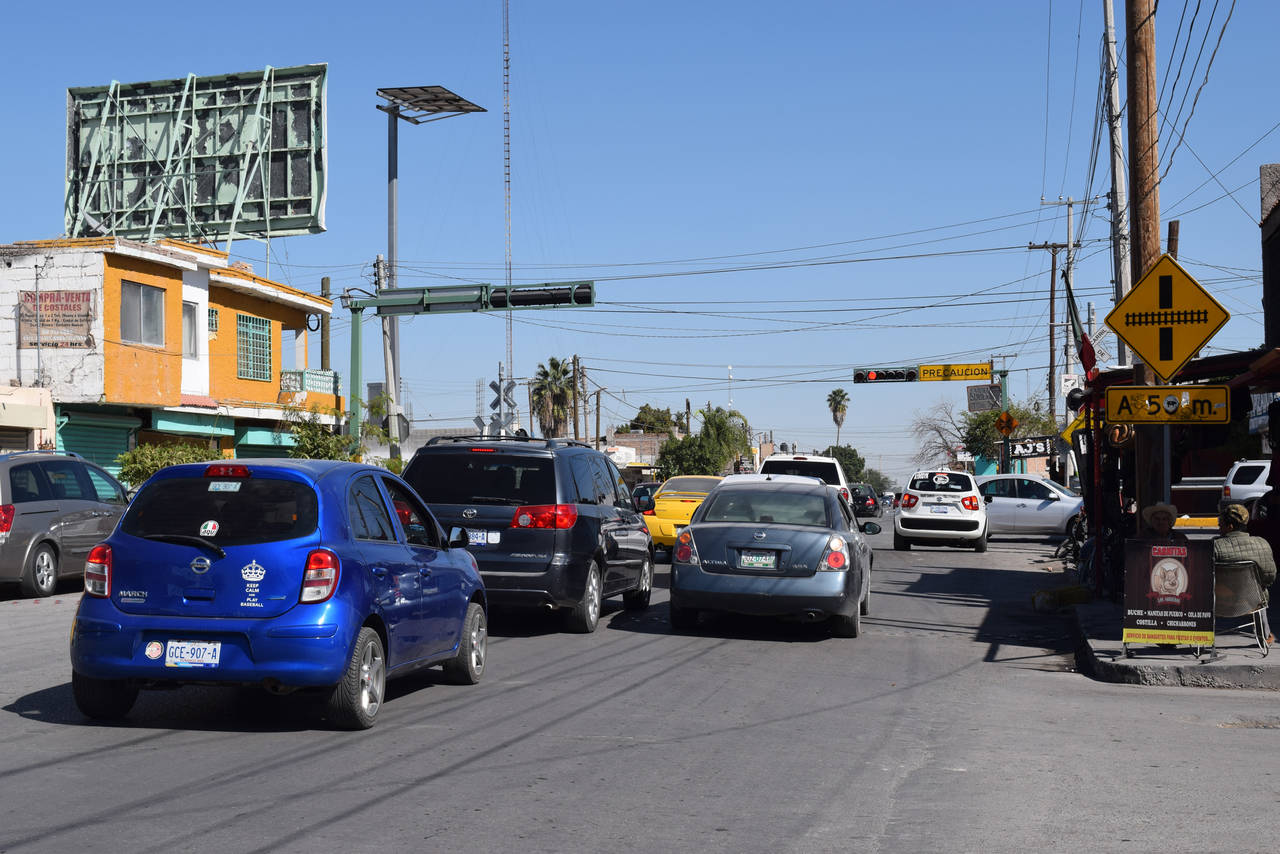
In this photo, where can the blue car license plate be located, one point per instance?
(192, 653)
(752, 559)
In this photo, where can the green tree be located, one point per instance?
(688, 455)
(138, 464)
(878, 480)
(723, 436)
(552, 394)
(850, 460)
(838, 403)
(315, 440)
(650, 419)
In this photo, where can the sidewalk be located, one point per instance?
(1238, 664)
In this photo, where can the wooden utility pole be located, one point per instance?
(1120, 257)
(1144, 184)
(597, 445)
(1053, 289)
(575, 397)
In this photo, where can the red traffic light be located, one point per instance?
(882, 375)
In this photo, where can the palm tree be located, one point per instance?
(552, 391)
(838, 403)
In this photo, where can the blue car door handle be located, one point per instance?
(379, 571)
(424, 571)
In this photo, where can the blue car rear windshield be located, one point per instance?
(473, 477)
(762, 506)
(227, 512)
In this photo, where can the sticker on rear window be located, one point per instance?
(941, 479)
(224, 486)
(209, 529)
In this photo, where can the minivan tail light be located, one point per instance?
(545, 516)
(969, 502)
(320, 578)
(97, 572)
(909, 500)
(226, 470)
(6, 518)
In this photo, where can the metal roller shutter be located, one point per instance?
(14, 439)
(95, 443)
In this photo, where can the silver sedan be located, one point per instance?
(1027, 504)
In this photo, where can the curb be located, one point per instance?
(1131, 671)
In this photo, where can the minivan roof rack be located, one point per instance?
(55, 453)
(547, 443)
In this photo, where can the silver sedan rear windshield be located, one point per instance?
(777, 506)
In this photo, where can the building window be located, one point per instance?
(213, 320)
(253, 348)
(189, 346)
(141, 314)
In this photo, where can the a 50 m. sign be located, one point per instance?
(1168, 404)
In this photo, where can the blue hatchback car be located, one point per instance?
(290, 574)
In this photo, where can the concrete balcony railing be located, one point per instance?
(322, 382)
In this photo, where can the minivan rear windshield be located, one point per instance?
(235, 511)
(472, 477)
(940, 481)
(809, 468)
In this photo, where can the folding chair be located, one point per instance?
(1238, 592)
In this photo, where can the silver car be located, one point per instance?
(54, 507)
(1028, 504)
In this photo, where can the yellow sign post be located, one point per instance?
(1167, 318)
(980, 372)
(1169, 404)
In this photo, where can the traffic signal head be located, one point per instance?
(572, 294)
(885, 375)
(1075, 399)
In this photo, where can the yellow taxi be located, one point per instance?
(673, 504)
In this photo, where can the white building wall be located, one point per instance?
(71, 375)
(195, 372)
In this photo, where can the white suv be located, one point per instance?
(827, 468)
(941, 508)
(1246, 480)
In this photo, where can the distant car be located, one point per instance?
(827, 468)
(941, 508)
(787, 548)
(54, 507)
(1245, 480)
(289, 574)
(551, 522)
(673, 504)
(865, 501)
(645, 489)
(1028, 504)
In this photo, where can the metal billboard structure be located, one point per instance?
(199, 158)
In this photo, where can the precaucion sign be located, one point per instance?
(1166, 404)
(969, 373)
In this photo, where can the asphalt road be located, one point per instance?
(955, 723)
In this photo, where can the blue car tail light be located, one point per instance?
(836, 557)
(685, 551)
(320, 578)
(97, 572)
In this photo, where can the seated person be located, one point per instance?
(1235, 543)
(1158, 524)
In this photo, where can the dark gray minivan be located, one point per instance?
(551, 522)
(54, 507)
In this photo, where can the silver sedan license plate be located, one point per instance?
(752, 559)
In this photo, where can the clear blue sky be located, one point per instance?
(660, 148)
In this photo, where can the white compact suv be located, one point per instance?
(809, 465)
(941, 508)
(1247, 479)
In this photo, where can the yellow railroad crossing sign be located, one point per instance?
(1168, 404)
(980, 372)
(1167, 318)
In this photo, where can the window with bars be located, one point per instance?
(253, 348)
(213, 320)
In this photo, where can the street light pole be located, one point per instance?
(416, 104)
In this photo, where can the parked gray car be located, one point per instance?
(54, 507)
(1028, 504)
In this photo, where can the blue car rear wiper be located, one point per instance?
(188, 539)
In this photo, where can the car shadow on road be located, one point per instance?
(656, 620)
